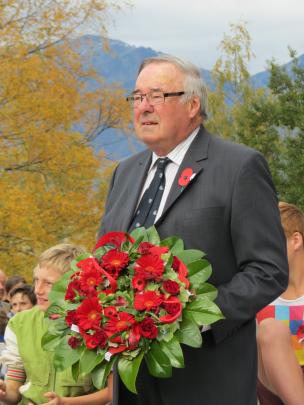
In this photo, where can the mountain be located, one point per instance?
(120, 64)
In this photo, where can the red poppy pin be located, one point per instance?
(185, 177)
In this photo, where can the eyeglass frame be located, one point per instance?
(130, 99)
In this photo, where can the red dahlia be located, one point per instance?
(124, 321)
(150, 267)
(90, 278)
(74, 287)
(148, 248)
(89, 313)
(114, 261)
(149, 300)
(138, 283)
(110, 312)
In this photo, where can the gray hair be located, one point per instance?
(193, 83)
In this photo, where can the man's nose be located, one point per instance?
(145, 105)
(39, 288)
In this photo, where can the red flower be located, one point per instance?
(148, 329)
(54, 316)
(121, 301)
(97, 339)
(74, 342)
(174, 308)
(119, 349)
(148, 248)
(114, 261)
(150, 267)
(90, 278)
(134, 336)
(149, 300)
(71, 318)
(123, 322)
(113, 238)
(185, 177)
(89, 313)
(182, 271)
(110, 312)
(138, 283)
(172, 287)
(73, 288)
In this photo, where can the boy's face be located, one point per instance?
(44, 278)
(20, 302)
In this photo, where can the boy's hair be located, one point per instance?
(292, 219)
(25, 290)
(59, 257)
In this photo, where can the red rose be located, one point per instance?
(149, 300)
(89, 313)
(71, 318)
(148, 329)
(172, 287)
(97, 339)
(114, 238)
(138, 283)
(185, 177)
(150, 267)
(74, 342)
(174, 308)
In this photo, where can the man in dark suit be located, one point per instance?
(227, 208)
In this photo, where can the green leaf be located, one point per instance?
(50, 342)
(174, 352)
(153, 236)
(174, 243)
(89, 360)
(199, 272)
(100, 373)
(190, 255)
(207, 290)
(58, 291)
(65, 356)
(189, 333)
(139, 233)
(203, 311)
(75, 371)
(128, 370)
(158, 362)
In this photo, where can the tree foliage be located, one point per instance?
(269, 120)
(52, 183)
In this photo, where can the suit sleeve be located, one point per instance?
(259, 248)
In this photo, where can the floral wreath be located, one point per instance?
(136, 296)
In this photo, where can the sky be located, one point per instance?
(193, 29)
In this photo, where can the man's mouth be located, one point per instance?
(149, 123)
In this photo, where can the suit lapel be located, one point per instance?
(136, 180)
(195, 159)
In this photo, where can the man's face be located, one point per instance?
(163, 126)
(44, 278)
(20, 302)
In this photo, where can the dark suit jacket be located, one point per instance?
(230, 212)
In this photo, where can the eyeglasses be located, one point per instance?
(153, 97)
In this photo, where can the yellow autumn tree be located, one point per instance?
(52, 185)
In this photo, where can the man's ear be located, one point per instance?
(194, 106)
(297, 241)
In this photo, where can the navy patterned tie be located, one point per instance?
(147, 209)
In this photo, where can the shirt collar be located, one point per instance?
(178, 153)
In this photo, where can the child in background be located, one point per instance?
(30, 373)
(281, 328)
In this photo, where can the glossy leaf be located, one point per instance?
(128, 370)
